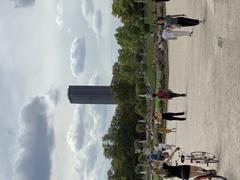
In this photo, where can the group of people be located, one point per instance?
(162, 166)
(160, 152)
(171, 22)
(166, 94)
(169, 116)
(165, 169)
(160, 160)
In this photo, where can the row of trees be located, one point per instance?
(118, 144)
(127, 83)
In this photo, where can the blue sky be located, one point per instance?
(46, 46)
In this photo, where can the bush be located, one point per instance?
(140, 169)
(141, 109)
(140, 88)
(140, 128)
(146, 28)
(142, 158)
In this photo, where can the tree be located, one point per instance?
(118, 142)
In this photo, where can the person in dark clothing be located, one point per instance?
(166, 94)
(177, 21)
(172, 116)
(181, 171)
(158, 117)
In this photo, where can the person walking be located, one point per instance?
(166, 94)
(163, 147)
(178, 21)
(169, 34)
(165, 130)
(169, 116)
(181, 171)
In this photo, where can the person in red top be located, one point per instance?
(166, 94)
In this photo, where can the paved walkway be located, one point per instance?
(207, 66)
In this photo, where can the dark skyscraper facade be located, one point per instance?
(90, 95)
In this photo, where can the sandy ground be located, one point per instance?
(207, 67)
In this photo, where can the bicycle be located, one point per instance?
(199, 157)
(212, 176)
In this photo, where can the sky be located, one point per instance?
(45, 47)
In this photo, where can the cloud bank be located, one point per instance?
(59, 14)
(87, 10)
(77, 55)
(84, 139)
(94, 19)
(53, 96)
(35, 139)
(23, 3)
(35, 143)
(76, 132)
(97, 22)
(94, 79)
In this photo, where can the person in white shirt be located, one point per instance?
(163, 147)
(168, 34)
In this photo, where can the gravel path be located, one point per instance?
(207, 67)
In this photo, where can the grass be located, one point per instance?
(149, 57)
(157, 75)
(150, 7)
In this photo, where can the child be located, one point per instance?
(165, 130)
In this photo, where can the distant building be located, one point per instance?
(90, 95)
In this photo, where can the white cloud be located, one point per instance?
(59, 21)
(53, 96)
(87, 128)
(97, 22)
(87, 10)
(76, 132)
(35, 142)
(86, 159)
(94, 19)
(23, 3)
(94, 79)
(49, 67)
(59, 14)
(77, 55)
(92, 156)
